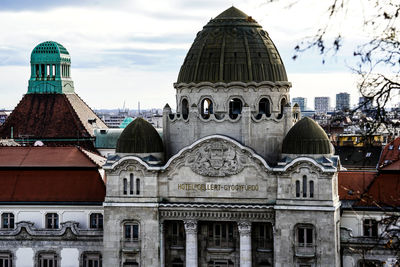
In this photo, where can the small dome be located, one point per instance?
(306, 137)
(49, 51)
(232, 47)
(139, 137)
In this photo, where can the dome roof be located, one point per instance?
(306, 137)
(232, 47)
(139, 137)
(49, 51)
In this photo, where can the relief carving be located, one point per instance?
(216, 159)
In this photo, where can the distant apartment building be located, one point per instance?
(322, 104)
(364, 103)
(301, 101)
(342, 101)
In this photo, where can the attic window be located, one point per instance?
(391, 147)
(368, 154)
(103, 131)
(399, 147)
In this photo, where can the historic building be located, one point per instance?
(238, 178)
(231, 183)
(51, 112)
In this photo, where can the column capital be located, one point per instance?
(190, 226)
(244, 228)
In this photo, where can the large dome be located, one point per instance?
(232, 47)
(139, 137)
(306, 137)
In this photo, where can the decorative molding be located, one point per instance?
(69, 231)
(190, 226)
(222, 85)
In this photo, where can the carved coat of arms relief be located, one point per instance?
(216, 159)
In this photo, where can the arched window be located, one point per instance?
(264, 107)
(185, 109)
(52, 221)
(235, 107)
(96, 221)
(304, 186)
(311, 188)
(137, 186)
(7, 221)
(282, 108)
(206, 108)
(125, 181)
(131, 184)
(297, 188)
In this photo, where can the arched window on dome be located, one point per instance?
(206, 108)
(235, 107)
(185, 108)
(264, 107)
(282, 108)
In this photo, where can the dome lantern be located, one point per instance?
(50, 69)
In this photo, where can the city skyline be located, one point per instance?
(126, 44)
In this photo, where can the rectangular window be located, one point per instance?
(7, 221)
(47, 260)
(131, 184)
(304, 186)
(92, 260)
(131, 232)
(311, 189)
(5, 259)
(96, 221)
(297, 188)
(125, 181)
(305, 236)
(52, 221)
(370, 228)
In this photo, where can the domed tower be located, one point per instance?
(50, 69)
(232, 82)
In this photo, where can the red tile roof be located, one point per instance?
(390, 155)
(384, 191)
(44, 157)
(56, 119)
(353, 184)
(51, 186)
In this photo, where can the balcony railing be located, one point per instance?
(131, 245)
(263, 244)
(305, 250)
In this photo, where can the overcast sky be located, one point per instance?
(125, 51)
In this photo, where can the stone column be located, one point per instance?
(191, 242)
(245, 243)
(162, 245)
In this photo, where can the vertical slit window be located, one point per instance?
(304, 186)
(185, 109)
(125, 186)
(131, 184)
(297, 188)
(311, 188)
(137, 186)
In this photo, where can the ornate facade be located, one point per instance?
(233, 183)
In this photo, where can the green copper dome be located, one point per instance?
(232, 47)
(139, 137)
(306, 137)
(50, 52)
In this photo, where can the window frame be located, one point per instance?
(308, 230)
(370, 228)
(131, 237)
(48, 255)
(6, 256)
(10, 220)
(99, 221)
(54, 216)
(267, 110)
(91, 255)
(232, 103)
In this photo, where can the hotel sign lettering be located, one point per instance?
(218, 187)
